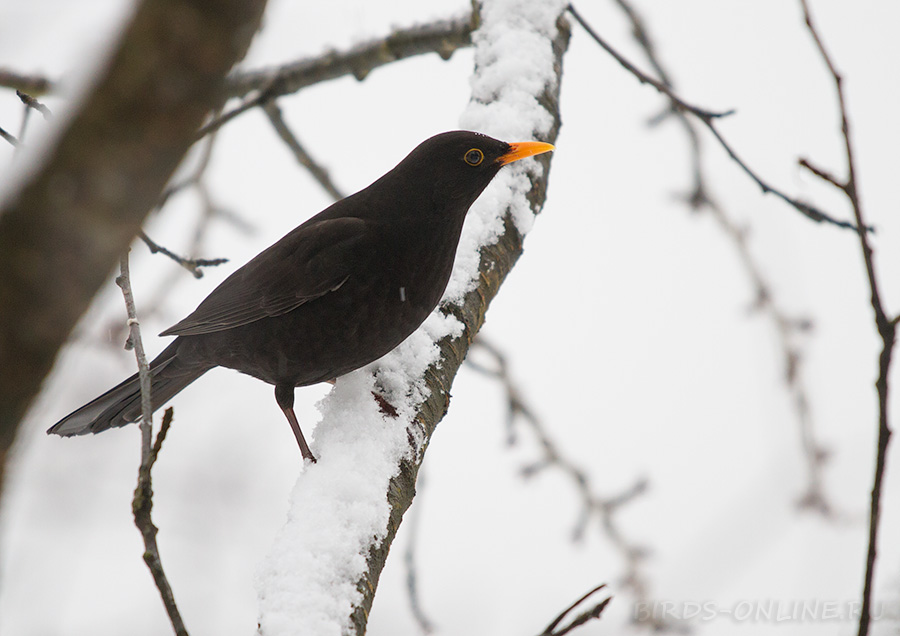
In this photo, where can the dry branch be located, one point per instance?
(587, 615)
(789, 329)
(142, 504)
(443, 37)
(192, 265)
(885, 326)
(604, 509)
(709, 118)
(319, 173)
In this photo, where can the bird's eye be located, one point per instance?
(474, 157)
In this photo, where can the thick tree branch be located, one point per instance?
(295, 585)
(497, 261)
(65, 229)
(443, 37)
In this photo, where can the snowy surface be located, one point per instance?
(514, 65)
(626, 324)
(307, 583)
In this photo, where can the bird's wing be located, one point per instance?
(312, 260)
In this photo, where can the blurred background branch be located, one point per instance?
(72, 219)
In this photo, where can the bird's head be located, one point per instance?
(448, 171)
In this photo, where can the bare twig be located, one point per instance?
(820, 172)
(590, 614)
(34, 104)
(8, 137)
(192, 265)
(135, 343)
(141, 506)
(886, 326)
(195, 182)
(223, 118)
(642, 77)
(318, 173)
(195, 177)
(30, 104)
(788, 328)
(709, 118)
(443, 37)
(604, 508)
(143, 494)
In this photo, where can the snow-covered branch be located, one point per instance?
(322, 572)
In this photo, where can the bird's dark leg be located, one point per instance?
(284, 395)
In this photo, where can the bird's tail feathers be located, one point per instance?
(121, 405)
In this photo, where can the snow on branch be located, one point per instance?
(321, 574)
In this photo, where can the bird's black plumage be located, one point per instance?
(335, 293)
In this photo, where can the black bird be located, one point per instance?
(336, 293)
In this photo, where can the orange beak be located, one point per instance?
(522, 150)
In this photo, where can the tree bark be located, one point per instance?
(66, 227)
(497, 261)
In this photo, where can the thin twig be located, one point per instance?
(192, 265)
(26, 115)
(642, 77)
(30, 104)
(196, 175)
(709, 118)
(142, 503)
(603, 508)
(820, 172)
(141, 506)
(318, 173)
(8, 137)
(442, 37)
(195, 182)
(223, 118)
(590, 614)
(34, 104)
(135, 343)
(788, 328)
(886, 327)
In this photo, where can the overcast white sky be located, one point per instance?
(626, 323)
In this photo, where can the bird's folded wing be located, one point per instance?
(312, 260)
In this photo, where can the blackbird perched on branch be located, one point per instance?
(336, 293)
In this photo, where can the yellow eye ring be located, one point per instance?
(473, 156)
